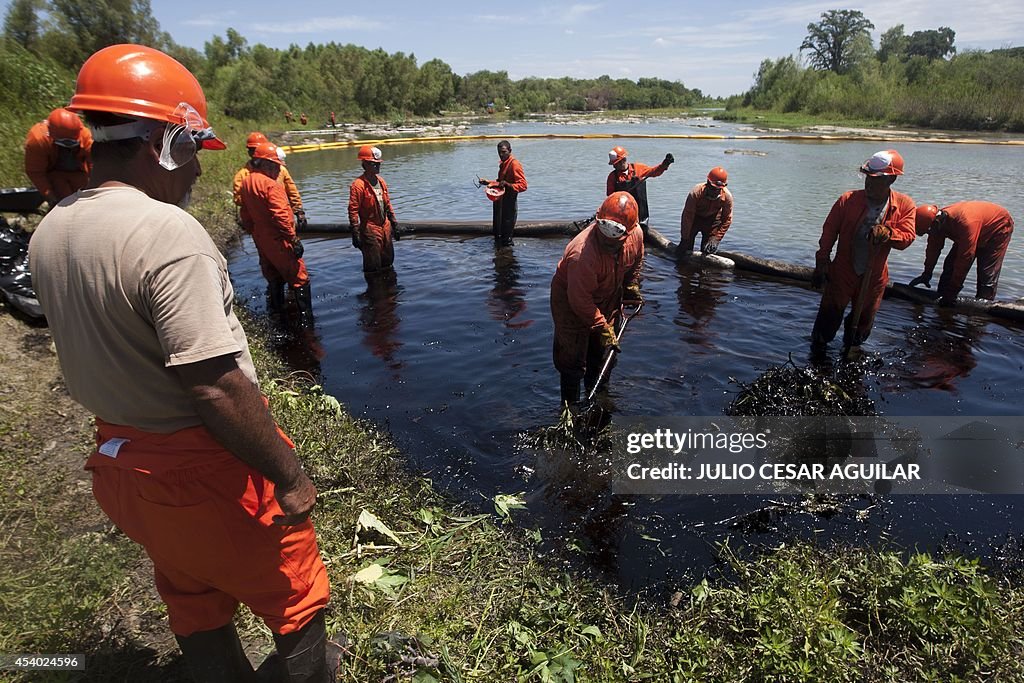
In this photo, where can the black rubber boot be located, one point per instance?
(304, 301)
(570, 387)
(304, 654)
(275, 298)
(216, 656)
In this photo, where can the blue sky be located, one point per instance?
(714, 46)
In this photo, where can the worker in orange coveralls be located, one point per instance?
(57, 158)
(707, 211)
(600, 268)
(978, 230)
(867, 223)
(189, 462)
(267, 215)
(303, 119)
(512, 181)
(285, 178)
(627, 177)
(370, 215)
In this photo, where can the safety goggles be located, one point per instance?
(611, 229)
(66, 142)
(180, 142)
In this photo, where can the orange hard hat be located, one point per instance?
(924, 216)
(617, 215)
(63, 124)
(255, 138)
(718, 177)
(616, 155)
(270, 152)
(140, 82)
(370, 153)
(885, 162)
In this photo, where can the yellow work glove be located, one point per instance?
(608, 339)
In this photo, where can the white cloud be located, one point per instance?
(317, 25)
(212, 20)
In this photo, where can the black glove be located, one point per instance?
(710, 247)
(298, 249)
(820, 276)
(395, 235)
(669, 159)
(355, 237)
(300, 220)
(922, 279)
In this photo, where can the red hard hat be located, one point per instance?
(255, 138)
(63, 124)
(924, 216)
(140, 82)
(616, 155)
(618, 215)
(370, 153)
(718, 177)
(885, 162)
(270, 152)
(494, 192)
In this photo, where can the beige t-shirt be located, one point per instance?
(132, 287)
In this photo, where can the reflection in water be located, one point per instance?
(699, 293)
(507, 300)
(378, 316)
(941, 350)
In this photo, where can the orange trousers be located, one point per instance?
(377, 246)
(204, 518)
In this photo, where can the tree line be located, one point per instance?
(259, 82)
(916, 79)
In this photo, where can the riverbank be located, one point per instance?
(460, 594)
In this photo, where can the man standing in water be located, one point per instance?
(189, 462)
(600, 268)
(631, 178)
(512, 181)
(867, 223)
(370, 216)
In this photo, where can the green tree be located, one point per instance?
(932, 44)
(93, 25)
(837, 42)
(21, 24)
(893, 43)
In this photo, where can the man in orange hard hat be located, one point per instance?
(867, 223)
(978, 230)
(631, 178)
(511, 181)
(267, 216)
(57, 155)
(370, 215)
(284, 177)
(707, 211)
(599, 269)
(189, 462)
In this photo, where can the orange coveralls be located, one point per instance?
(285, 178)
(709, 217)
(201, 512)
(56, 171)
(844, 284)
(979, 230)
(372, 224)
(267, 215)
(505, 211)
(624, 182)
(586, 292)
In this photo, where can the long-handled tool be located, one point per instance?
(585, 416)
(850, 328)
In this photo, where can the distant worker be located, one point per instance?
(57, 155)
(512, 181)
(189, 462)
(627, 177)
(288, 116)
(370, 215)
(978, 230)
(303, 119)
(707, 211)
(333, 121)
(600, 268)
(867, 223)
(268, 217)
(285, 178)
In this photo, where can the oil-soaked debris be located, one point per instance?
(577, 433)
(792, 390)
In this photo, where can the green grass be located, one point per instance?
(796, 120)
